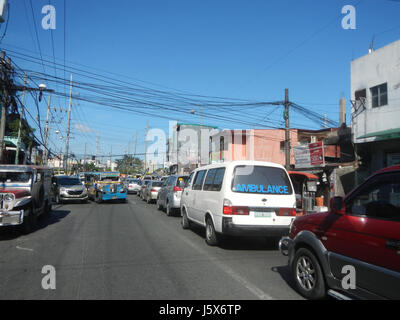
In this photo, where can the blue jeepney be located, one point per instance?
(105, 186)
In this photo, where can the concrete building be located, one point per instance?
(267, 144)
(375, 113)
(190, 144)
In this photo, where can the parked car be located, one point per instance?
(239, 198)
(169, 196)
(361, 232)
(142, 187)
(25, 194)
(68, 188)
(134, 185)
(151, 191)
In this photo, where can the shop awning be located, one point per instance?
(383, 135)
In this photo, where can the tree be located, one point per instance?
(129, 165)
(26, 132)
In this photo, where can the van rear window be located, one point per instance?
(261, 180)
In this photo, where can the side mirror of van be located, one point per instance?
(337, 205)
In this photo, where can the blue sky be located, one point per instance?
(238, 49)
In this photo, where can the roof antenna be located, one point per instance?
(371, 47)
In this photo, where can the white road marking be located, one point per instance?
(26, 249)
(251, 287)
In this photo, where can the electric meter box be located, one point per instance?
(3, 10)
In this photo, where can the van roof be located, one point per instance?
(243, 163)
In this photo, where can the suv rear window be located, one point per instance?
(261, 180)
(181, 181)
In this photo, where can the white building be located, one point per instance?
(375, 92)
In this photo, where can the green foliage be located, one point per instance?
(129, 165)
(26, 132)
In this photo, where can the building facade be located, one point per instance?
(375, 113)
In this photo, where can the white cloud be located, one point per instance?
(82, 128)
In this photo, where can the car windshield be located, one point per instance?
(69, 181)
(105, 179)
(262, 180)
(12, 177)
(156, 184)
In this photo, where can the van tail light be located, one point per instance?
(230, 210)
(286, 212)
(177, 189)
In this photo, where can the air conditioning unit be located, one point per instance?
(3, 10)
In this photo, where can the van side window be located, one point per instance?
(208, 183)
(218, 179)
(198, 180)
(189, 181)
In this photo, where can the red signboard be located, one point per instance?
(311, 155)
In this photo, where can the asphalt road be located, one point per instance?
(133, 251)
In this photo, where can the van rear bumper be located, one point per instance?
(229, 228)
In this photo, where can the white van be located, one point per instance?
(241, 198)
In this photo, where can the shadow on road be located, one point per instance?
(286, 275)
(242, 243)
(13, 232)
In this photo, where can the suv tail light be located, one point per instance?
(286, 212)
(230, 210)
(177, 189)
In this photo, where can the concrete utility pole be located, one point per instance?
(68, 126)
(145, 147)
(4, 103)
(21, 116)
(342, 112)
(46, 131)
(97, 148)
(84, 160)
(287, 130)
(134, 154)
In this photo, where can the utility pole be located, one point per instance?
(4, 102)
(84, 160)
(46, 131)
(68, 126)
(145, 147)
(97, 148)
(287, 130)
(21, 116)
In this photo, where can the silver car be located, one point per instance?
(169, 197)
(69, 188)
(150, 193)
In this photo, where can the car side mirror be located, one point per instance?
(338, 205)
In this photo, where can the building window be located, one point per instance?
(282, 146)
(221, 148)
(379, 95)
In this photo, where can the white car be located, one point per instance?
(134, 185)
(239, 198)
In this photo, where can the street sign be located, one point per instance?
(310, 155)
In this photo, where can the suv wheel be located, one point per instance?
(159, 206)
(308, 275)
(168, 210)
(211, 235)
(185, 221)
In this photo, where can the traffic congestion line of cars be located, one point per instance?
(350, 251)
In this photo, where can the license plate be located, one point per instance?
(114, 198)
(262, 214)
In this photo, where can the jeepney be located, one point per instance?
(25, 194)
(105, 186)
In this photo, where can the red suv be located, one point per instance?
(353, 251)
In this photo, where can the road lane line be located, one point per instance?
(26, 249)
(260, 294)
